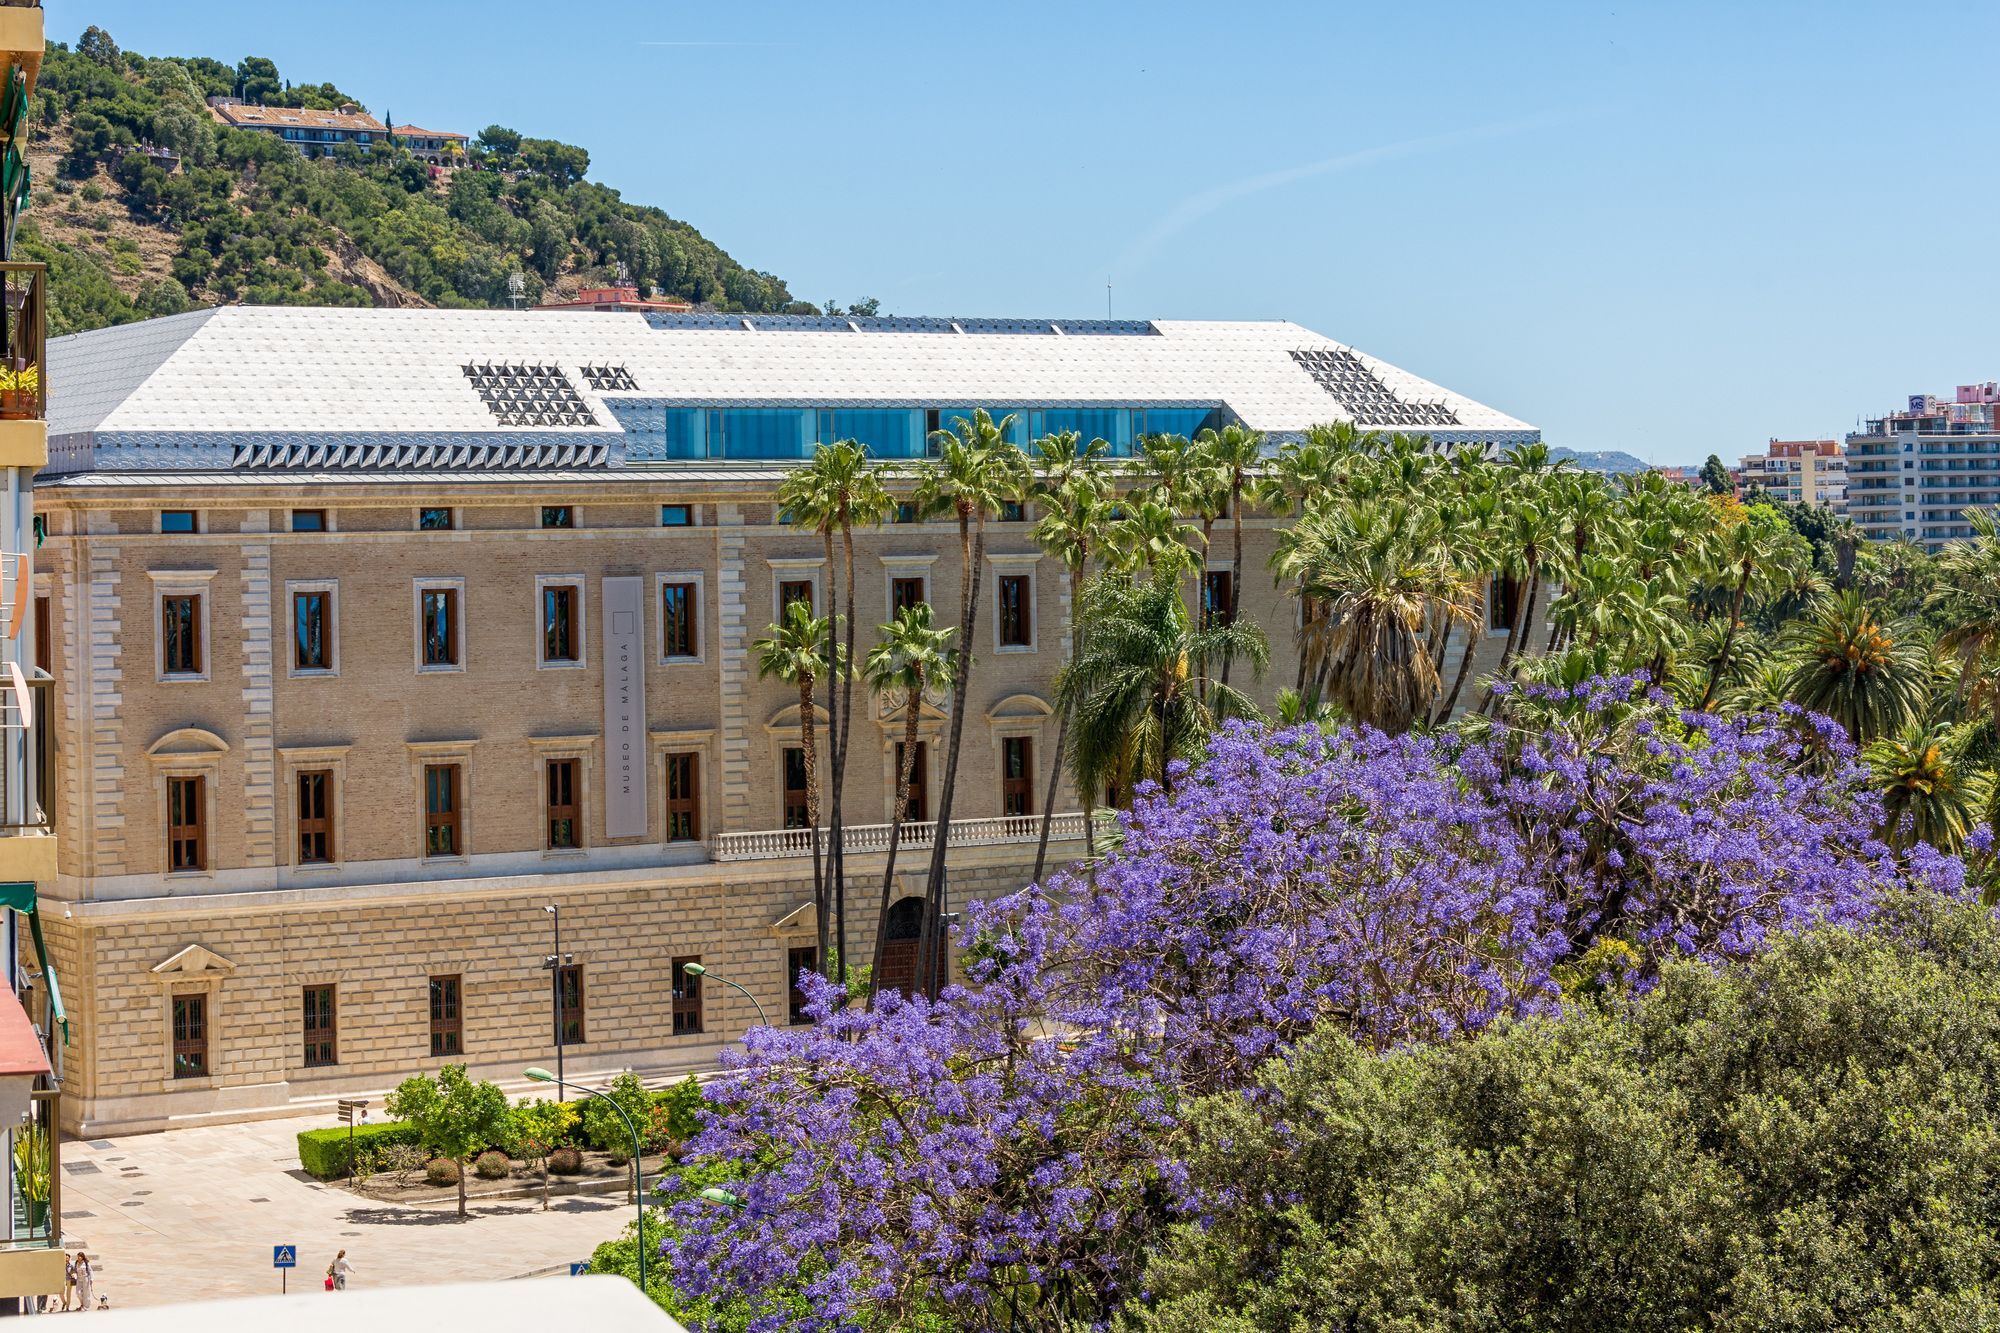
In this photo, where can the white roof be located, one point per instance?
(340, 370)
(530, 1305)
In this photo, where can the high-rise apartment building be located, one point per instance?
(375, 633)
(1808, 472)
(1913, 473)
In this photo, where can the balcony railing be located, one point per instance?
(23, 340)
(37, 1201)
(775, 844)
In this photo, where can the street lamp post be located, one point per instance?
(554, 963)
(697, 970)
(638, 1161)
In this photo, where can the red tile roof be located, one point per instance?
(416, 133)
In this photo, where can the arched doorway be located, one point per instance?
(900, 941)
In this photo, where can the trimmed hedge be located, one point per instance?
(323, 1152)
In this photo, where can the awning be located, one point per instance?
(20, 895)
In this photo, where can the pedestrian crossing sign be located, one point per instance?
(284, 1256)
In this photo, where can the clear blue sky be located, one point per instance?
(1665, 228)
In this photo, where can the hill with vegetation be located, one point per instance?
(1611, 462)
(243, 218)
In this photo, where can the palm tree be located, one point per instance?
(1527, 533)
(1967, 598)
(1150, 536)
(912, 657)
(799, 650)
(1072, 520)
(1869, 674)
(1749, 553)
(832, 494)
(974, 473)
(1130, 688)
(1380, 569)
(1234, 450)
(1928, 794)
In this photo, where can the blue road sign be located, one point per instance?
(578, 1270)
(284, 1256)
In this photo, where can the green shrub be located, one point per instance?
(492, 1165)
(565, 1162)
(676, 1115)
(441, 1171)
(323, 1152)
(601, 1125)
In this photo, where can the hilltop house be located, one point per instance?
(311, 132)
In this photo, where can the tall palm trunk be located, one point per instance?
(840, 750)
(835, 890)
(809, 756)
(900, 811)
(1524, 619)
(1236, 561)
(972, 547)
(1472, 637)
(1062, 735)
(1721, 662)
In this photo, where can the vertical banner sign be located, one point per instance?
(625, 741)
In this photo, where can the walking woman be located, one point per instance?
(341, 1269)
(86, 1282)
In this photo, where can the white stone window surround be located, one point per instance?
(418, 587)
(798, 569)
(292, 761)
(1014, 564)
(905, 567)
(182, 583)
(424, 754)
(331, 587)
(701, 741)
(581, 747)
(700, 612)
(582, 628)
(188, 752)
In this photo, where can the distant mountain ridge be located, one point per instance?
(144, 205)
(1611, 462)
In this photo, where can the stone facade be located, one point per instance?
(252, 927)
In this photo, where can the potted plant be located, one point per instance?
(31, 1173)
(19, 387)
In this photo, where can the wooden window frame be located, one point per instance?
(321, 1043)
(319, 826)
(1023, 786)
(793, 570)
(919, 793)
(572, 585)
(1014, 627)
(798, 959)
(689, 805)
(691, 583)
(453, 819)
(447, 1021)
(785, 790)
(687, 1013)
(900, 585)
(1211, 614)
(189, 1024)
(195, 834)
(194, 669)
(793, 590)
(329, 592)
(454, 591)
(564, 769)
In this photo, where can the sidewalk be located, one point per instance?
(193, 1213)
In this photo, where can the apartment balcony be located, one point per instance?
(24, 429)
(31, 1243)
(861, 839)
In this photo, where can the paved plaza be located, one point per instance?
(193, 1213)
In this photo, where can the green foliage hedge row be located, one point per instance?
(323, 1152)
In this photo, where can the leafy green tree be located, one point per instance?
(257, 80)
(601, 1124)
(797, 650)
(537, 1127)
(1715, 477)
(453, 1116)
(97, 47)
(1930, 793)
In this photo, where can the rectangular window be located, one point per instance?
(1013, 511)
(905, 593)
(1017, 776)
(316, 818)
(45, 644)
(180, 634)
(565, 829)
(676, 516)
(1016, 631)
(190, 1036)
(443, 833)
(796, 962)
(561, 640)
(558, 516)
(187, 835)
(1215, 597)
(447, 1027)
(438, 626)
(1503, 600)
(795, 590)
(308, 520)
(687, 998)
(679, 609)
(797, 815)
(435, 520)
(906, 511)
(319, 1026)
(569, 1003)
(178, 520)
(311, 650)
(918, 808)
(683, 798)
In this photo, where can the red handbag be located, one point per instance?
(329, 1282)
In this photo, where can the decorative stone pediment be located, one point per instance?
(801, 920)
(187, 743)
(195, 961)
(1018, 707)
(933, 707)
(786, 719)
